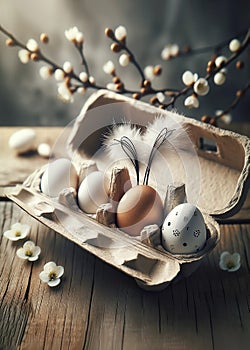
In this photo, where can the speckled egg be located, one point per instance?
(184, 230)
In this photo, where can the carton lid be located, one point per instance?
(216, 174)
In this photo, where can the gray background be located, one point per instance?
(25, 99)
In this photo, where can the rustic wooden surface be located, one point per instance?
(99, 307)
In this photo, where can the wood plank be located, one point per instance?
(98, 307)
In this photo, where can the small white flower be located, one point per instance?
(51, 274)
(91, 79)
(124, 60)
(74, 35)
(161, 97)
(109, 67)
(169, 51)
(220, 60)
(229, 262)
(111, 86)
(24, 56)
(64, 92)
(191, 102)
(149, 72)
(17, 231)
(226, 118)
(83, 76)
(59, 74)
(29, 251)
(234, 45)
(201, 87)
(79, 38)
(67, 67)
(189, 78)
(32, 45)
(219, 78)
(45, 72)
(81, 90)
(121, 33)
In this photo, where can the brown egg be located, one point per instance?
(140, 206)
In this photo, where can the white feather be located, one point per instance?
(112, 138)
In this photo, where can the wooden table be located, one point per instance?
(99, 307)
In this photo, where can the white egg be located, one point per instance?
(59, 174)
(22, 140)
(93, 192)
(184, 230)
(44, 150)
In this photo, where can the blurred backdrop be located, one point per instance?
(25, 99)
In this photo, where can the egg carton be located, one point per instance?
(220, 155)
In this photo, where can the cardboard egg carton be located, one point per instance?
(216, 179)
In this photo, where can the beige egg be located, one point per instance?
(140, 206)
(23, 140)
(93, 192)
(59, 174)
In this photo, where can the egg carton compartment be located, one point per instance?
(203, 171)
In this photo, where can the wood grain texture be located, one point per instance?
(99, 307)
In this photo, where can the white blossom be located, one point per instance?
(161, 97)
(91, 79)
(111, 86)
(29, 251)
(226, 118)
(229, 262)
(45, 72)
(149, 72)
(109, 67)
(67, 67)
(24, 56)
(201, 87)
(51, 274)
(219, 78)
(191, 102)
(81, 90)
(189, 78)
(17, 231)
(83, 76)
(169, 51)
(74, 35)
(120, 33)
(32, 45)
(234, 45)
(220, 60)
(124, 60)
(64, 92)
(59, 74)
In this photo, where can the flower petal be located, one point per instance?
(29, 244)
(54, 283)
(44, 277)
(59, 271)
(21, 253)
(236, 258)
(33, 258)
(37, 250)
(235, 268)
(49, 266)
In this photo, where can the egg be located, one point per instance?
(22, 140)
(140, 206)
(184, 230)
(59, 174)
(44, 150)
(93, 192)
